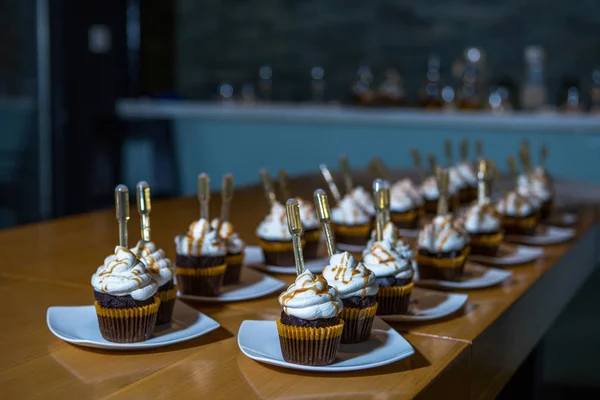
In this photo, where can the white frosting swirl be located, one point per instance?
(349, 277)
(482, 218)
(383, 260)
(200, 240)
(430, 191)
(390, 234)
(467, 173)
(275, 226)
(399, 193)
(310, 298)
(155, 261)
(232, 240)
(443, 235)
(456, 178)
(515, 205)
(534, 186)
(123, 274)
(363, 199)
(308, 214)
(349, 213)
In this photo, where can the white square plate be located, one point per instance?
(426, 305)
(254, 258)
(79, 325)
(259, 340)
(475, 277)
(252, 284)
(510, 254)
(544, 235)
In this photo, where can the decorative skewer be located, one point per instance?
(448, 152)
(144, 207)
(268, 186)
(525, 157)
(373, 170)
(331, 183)
(416, 156)
(284, 184)
(204, 195)
(383, 170)
(379, 201)
(324, 214)
(479, 149)
(385, 194)
(442, 178)
(346, 172)
(226, 196)
(512, 168)
(464, 150)
(122, 212)
(432, 163)
(483, 178)
(295, 226)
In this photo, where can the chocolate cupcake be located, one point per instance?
(407, 205)
(431, 194)
(468, 177)
(398, 243)
(310, 327)
(312, 229)
(275, 239)
(162, 271)
(200, 260)
(357, 288)
(394, 275)
(538, 190)
(519, 214)
(125, 298)
(350, 223)
(235, 251)
(484, 225)
(443, 247)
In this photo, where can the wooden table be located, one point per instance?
(469, 355)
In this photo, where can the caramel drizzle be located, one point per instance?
(287, 296)
(387, 256)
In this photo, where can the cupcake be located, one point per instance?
(310, 327)
(431, 194)
(364, 200)
(235, 251)
(519, 214)
(535, 187)
(394, 275)
(484, 225)
(125, 298)
(357, 288)
(350, 223)
(459, 182)
(200, 260)
(468, 176)
(406, 205)
(312, 229)
(275, 238)
(443, 247)
(162, 271)
(398, 243)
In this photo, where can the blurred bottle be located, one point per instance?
(225, 93)
(362, 92)
(469, 96)
(317, 84)
(265, 83)
(391, 91)
(431, 96)
(534, 94)
(448, 103)
(595, 92)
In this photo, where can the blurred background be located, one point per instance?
(97, 93)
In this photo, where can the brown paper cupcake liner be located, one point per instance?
(309, 346)
(312, 241)
(127, 325)
(277, 246)
(451, 262)
(486, 245)
(520, 226)
(405, 220)
(201, 281)
(167, 304)
(234, 269)
(358, 323)
(352, 234)
(394, 300)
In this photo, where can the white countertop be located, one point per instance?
(337, 114)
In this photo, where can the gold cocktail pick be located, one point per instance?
(464, 150)
(144, 207)
(416, 157)
(226, 197)
(284, 184)
(373, 170)
(432, 163)
(483, 177)
(331, 183)
(324, 214)
(385, 195)
(383, 170)
(379, 202)
(443, 179)
(295, 226)
(122, 212)
(448, 151)
(525, 157)
(204, 195)
(479, 148)
(347, 173)
(268, 186)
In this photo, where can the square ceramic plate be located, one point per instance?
(426, 305)
(259, 340)
(252, 284)
(254, 258)
(544, 235)
(79, 325)
(510, 254)
(475, 277)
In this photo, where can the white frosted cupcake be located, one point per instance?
(484, 225)
(406, 204)
(350, 222)
(468, 176)
(431, 194)
(539, 191)
(398, 243)
(312, 229)
(519, 215)
(235, 251)
(275, 238)
(364, 200)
